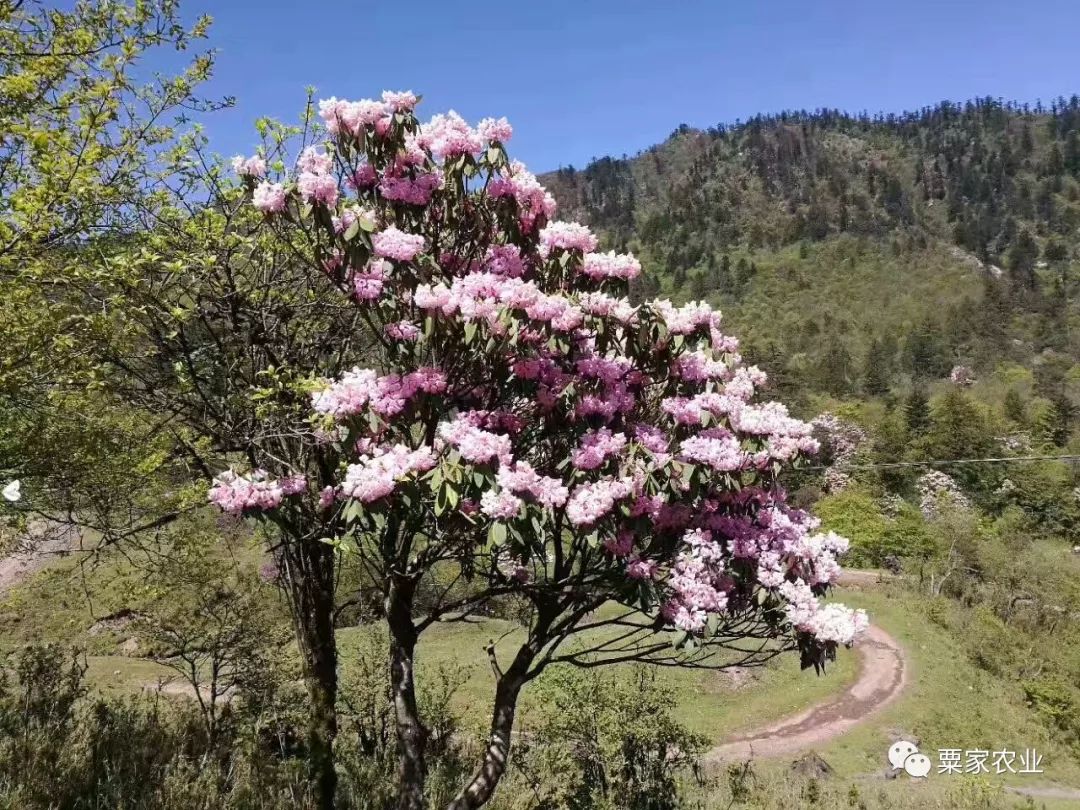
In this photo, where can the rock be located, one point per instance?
(114, 622)
(130, 647)
(737, 677)
(811, 765)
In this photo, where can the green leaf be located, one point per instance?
(497, 534)
(435, 479)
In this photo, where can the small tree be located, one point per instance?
(519, 424)
(210, 623)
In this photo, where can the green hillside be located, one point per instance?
(946, 235)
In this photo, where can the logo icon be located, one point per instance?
(905, 754)
(917, 765)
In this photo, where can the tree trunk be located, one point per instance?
(411, 734)
(480, 789)
(322, 726)
(313, 609)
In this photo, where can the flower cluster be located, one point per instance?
(476, 444)
(360, 389)
(521, 478)
(498, 130)
(315, 183)
(269, 197)
(532, 200)
(394, 243)
(249, 167)
(592, 501)
(831, 622)
(253, 492)
(596, 447)
(567, 236)
(449, 136)
(611, 265)
(840, 441)
(376, 475)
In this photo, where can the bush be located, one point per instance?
(604, 741)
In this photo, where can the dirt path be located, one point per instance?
(1068, 794)
(883, 676)
(47, 546)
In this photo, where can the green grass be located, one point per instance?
(949, 701)
(116, 675)
(707, 701)
(53, 605)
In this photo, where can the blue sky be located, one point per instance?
(585, 78)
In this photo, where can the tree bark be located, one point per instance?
(482, 786)
(313, 607)
(411, 734)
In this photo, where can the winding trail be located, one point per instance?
(882, 678)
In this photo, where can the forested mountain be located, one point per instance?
(858, 253)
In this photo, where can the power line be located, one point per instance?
(941, 462)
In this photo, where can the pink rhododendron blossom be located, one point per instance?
(827, 622)
(473, 442)
(686, 319)
(699, 366)
(377, 475)
(505, 260)
(533, 201)
(317, 188)
(523, 479)
(238, 493)
(501, 505)
(449, 136)
(393, 243)
(403, 101)
(368, 284)
(402, 330)
(313, 161)
(498, 130)
(413, 190)
(722, 452)
(592, 501)
(360, 389)
(249, 167)
(269, 197)
(294, 484)
(641, 569)
(652, 438)
(566, 236)
(364, 177)
(601, 304)
(610, 265)
(596, 447)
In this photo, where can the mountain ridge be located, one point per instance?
(969, 211)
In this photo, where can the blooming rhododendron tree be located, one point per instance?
(519, 423)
